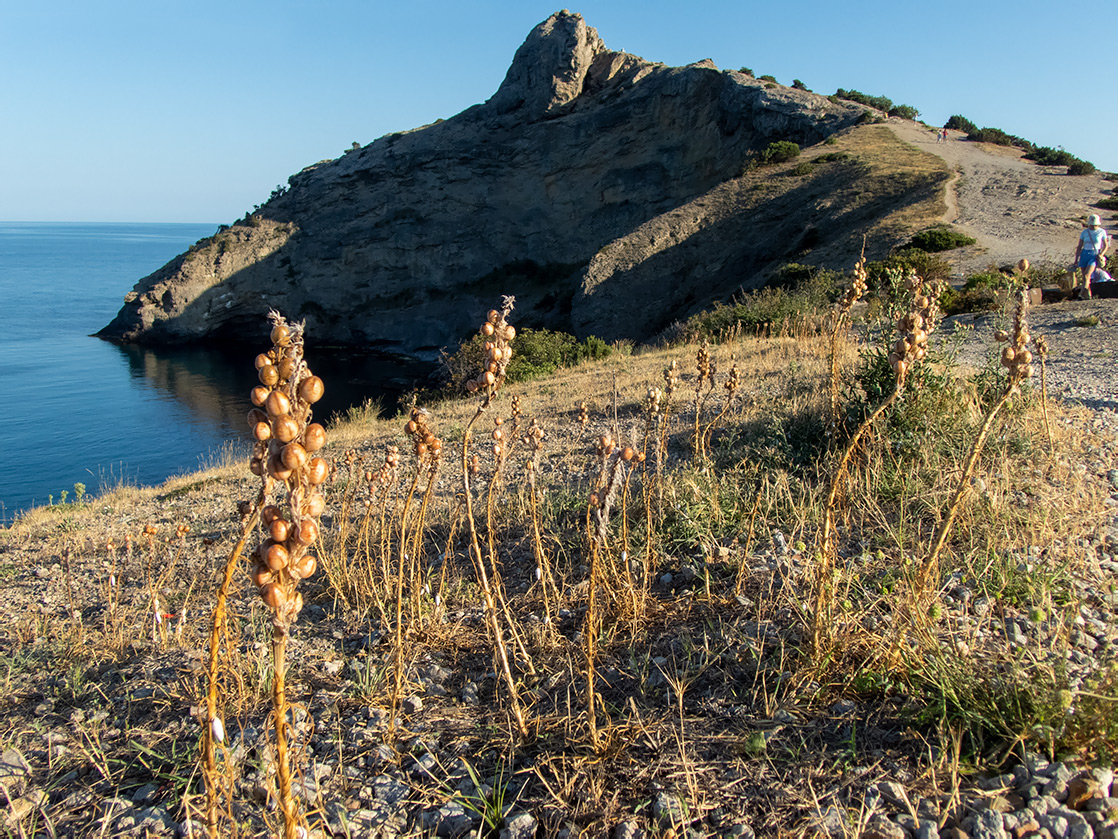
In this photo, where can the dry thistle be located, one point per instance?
(583, 418)
(842, 314)
(670, 378)
(285, 456)
(1017, 359)
(912, 343)
(908, 351)
(498, 354)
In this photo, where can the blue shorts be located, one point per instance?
(1088, 259)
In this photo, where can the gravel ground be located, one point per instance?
(1082, 336)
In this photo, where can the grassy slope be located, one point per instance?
(708, 688)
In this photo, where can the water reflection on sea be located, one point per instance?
(81, 410)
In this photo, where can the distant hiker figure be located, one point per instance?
(1090, 252)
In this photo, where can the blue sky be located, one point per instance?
(194, 111)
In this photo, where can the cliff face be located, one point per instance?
(400, 245)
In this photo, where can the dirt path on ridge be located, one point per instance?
(1013, 207)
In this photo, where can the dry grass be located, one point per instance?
(700, 689)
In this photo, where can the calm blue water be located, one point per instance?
(79, 409)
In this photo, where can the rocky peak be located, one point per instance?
(549, 70)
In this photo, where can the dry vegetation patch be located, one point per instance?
(652, 562)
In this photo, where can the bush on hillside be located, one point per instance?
(767, 78)
(1107, 203)
(998, 138)
(1081, 167)
(904, 112)
(907, 260)
(780, 151)
(798, 85)
(1047, 156)
(795, 292)
(882, 103)
(746, 70)
(960, 123)
(538, 352)
(939, 239)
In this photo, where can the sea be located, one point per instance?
(82, 415)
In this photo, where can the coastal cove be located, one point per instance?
(80, 410)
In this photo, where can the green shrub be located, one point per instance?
(795, 291)
(960, 123)
(926, 265)
(746, 70)
(767, 78)
(798, 85)
(780, 151)
(1107, 203)
(954, 302)
(536, 352)
(870, 117)
(1047, 156)
(989, 279)
(904, 112)
(804, 167)
(882, 103)
(1081, 167)
(939, 239)
(999, 138)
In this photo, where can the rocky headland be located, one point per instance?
(590, 179)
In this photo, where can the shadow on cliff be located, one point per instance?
(820, 221)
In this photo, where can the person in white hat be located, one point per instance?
(1091, 251)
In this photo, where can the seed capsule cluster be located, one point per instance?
(670, 378)
(912, 343)
(652, 402)
(428, 447)
(733, 381)
(703, 365)
(285, 453)
(583, 418)
(498, 353)
(534, 438)
(498, 436)
(856, 290)
(1016, 356)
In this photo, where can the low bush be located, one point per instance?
(1081, 167)
(539, 352)
(960, 123)
(998, 138)
(939, 239)
(904, 112)
(767, 78)
(882, 103)
(1047, 156)
(796, 292)
(798, 85)
(780, 151)
(907, 260)
(952, 301)
(746, 70)
(1108, 203)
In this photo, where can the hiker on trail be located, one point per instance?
(1090, 252)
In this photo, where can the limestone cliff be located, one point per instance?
(401, 244)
